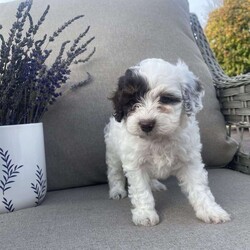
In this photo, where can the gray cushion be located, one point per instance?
(126, 32)
(85, 218)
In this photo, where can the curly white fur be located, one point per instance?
(172, 147)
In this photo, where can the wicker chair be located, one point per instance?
(233, 94)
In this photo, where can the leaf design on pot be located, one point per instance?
(40, 186)
(10, 170)
(8, 205)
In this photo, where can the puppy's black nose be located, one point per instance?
(147, 125)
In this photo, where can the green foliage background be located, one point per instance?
(228, 32)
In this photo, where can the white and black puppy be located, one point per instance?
(154, 134)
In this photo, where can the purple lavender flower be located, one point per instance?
(27, 85)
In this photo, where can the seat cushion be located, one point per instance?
(126, 32)
(84, 218)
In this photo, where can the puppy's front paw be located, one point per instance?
(143, 217)
(213, 214)
(117, 193)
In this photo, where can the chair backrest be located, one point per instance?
(232, 92)
(207, 53)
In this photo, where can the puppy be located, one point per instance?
(154, 134)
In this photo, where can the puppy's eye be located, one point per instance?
(134, 107)
(169, 99)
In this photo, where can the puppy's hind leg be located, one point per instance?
(157, 185)
(116, 177)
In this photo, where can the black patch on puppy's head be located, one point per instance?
(131, 87)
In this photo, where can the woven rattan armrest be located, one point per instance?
(233, 94)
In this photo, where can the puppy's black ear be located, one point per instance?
(117, 99)
(129, 90)
(192, 93)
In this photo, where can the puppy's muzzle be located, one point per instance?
(147, 125)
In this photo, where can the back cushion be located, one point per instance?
(126, 32)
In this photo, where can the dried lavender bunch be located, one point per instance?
(27, 85)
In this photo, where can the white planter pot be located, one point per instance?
(23, 180)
